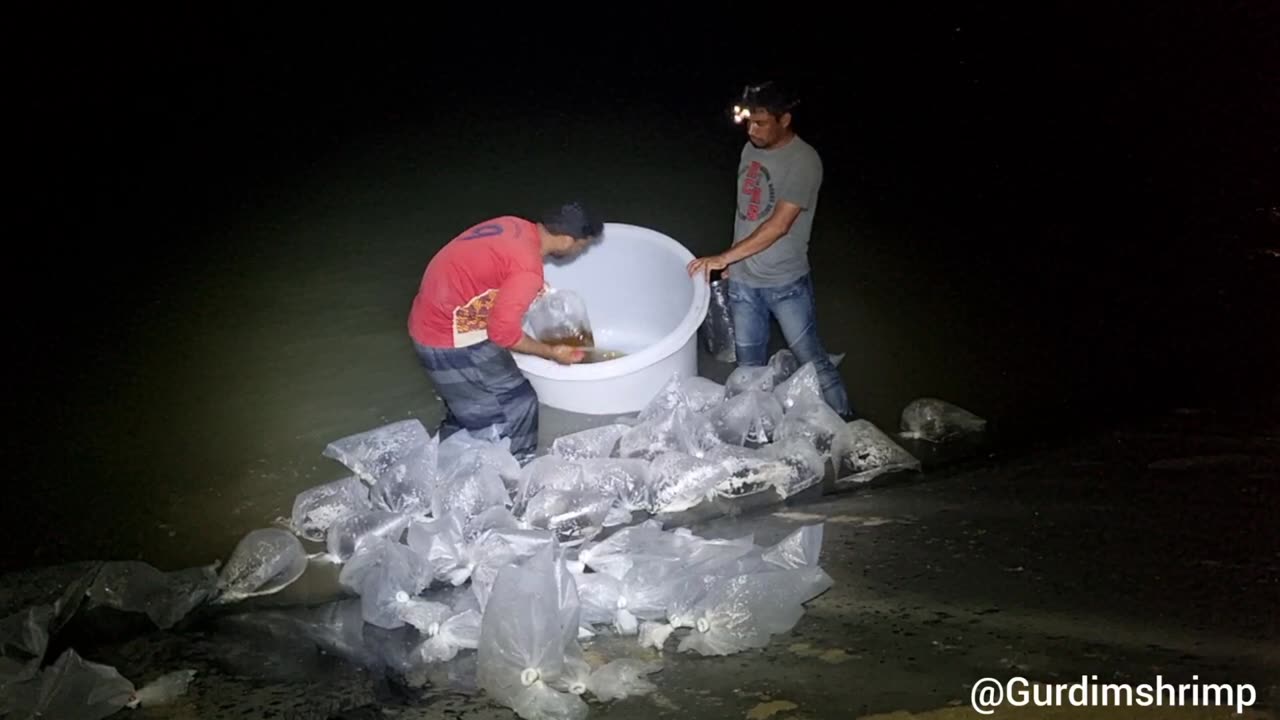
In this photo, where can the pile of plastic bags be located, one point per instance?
(72, 687)
(452, 546)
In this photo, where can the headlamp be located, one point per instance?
(740, 113)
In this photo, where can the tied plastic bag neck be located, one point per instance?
(559, 317)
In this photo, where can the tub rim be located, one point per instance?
(652, 355)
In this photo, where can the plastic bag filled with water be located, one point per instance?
(872, 453)
(681, 481)
(748, 419)
(473, 484)
(346, 535)
(787, 468)
(559, 317)
(677, 430)
(802, 387)
(317, 509)
(526, 634)
(407, 485)
(813, 421)
(934, 420)
(746, 378)
(264, 561)
(597, 442)
(372, 453)
(626, 479)
(486, 447)
(388, 576)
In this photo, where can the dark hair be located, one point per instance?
(770, 96)
(572, 219)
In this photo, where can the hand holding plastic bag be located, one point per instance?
(559, 317)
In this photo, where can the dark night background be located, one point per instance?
(1054, 216)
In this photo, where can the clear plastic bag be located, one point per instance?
(373, 453)
(677, 430)
(407, 485)
(934, 420)
(702, 393)
(787, 468)
(24, 637)
(166, 598)
(802, 387)
(523, 652)
(627, 479)
(814, 422)
(802, 548)
(317, 509)
(872, 453)
(743, 612)
(748, 419)
(574, 516)
(559, 317)
(697, 393)
(388, 576)
(473, 485)
(680, 481)
(264, 562)
(798, 466)
(71, 688)
(346, 535)
(623, 678)
(460, 631)
(617, 554)
(783, 365)
(597, 442)
(746, 378)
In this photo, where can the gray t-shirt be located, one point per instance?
(793, 173)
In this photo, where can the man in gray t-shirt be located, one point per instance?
(779, 176)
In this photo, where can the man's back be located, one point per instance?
(792, 172)
(479, 285)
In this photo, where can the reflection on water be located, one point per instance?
(596, 355)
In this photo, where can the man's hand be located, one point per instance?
(567, 354)
(706, 265)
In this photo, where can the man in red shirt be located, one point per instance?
(468, 317)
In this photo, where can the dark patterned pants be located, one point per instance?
(482, 387)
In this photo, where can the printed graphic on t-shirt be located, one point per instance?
(756, 195)
(471, 321)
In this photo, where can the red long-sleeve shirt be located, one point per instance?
(479, 286)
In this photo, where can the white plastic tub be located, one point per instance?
(642, 302)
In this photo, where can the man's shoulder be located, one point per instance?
(498, 229)
(806, 151)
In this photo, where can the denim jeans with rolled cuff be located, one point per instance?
(795, 308)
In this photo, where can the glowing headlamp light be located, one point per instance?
(740, 113)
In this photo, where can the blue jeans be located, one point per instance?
(794, 306)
